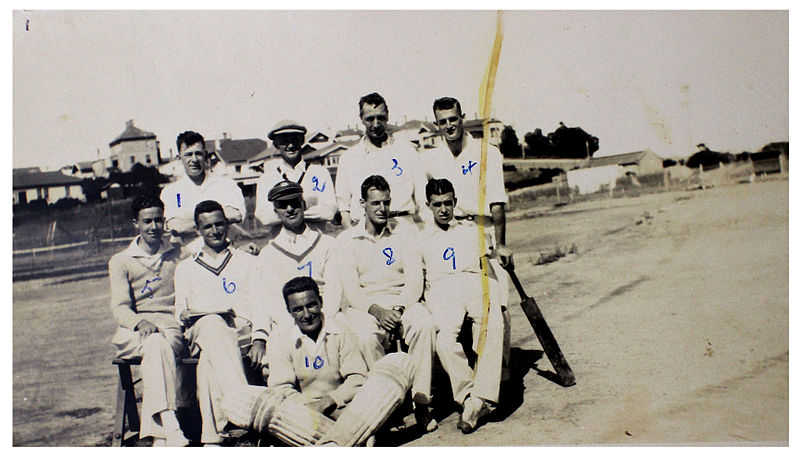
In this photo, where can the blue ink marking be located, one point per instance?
(309, 268)
(306, 361)
(320, 361)
(468, 169)
(451, 255)
(228, 287)
(389, 254)
(179, 200)
(396, 167)
(315, 180)
(147, 285)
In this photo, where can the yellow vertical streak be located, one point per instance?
(485, 98)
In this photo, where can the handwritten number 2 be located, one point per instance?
(450, 253)
(396, 167)
(315, 180)
(389, 254)
(228, 287)
(309, 267)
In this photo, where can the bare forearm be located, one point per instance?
(499, 219)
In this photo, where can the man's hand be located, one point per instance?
(388, 319)
(256, 353)
(251, 248)
(324, 405)
(145, 328)
(505, 256)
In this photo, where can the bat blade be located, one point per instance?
(548, 342)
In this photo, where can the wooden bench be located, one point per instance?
(126, 418)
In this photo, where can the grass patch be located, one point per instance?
(556, 254)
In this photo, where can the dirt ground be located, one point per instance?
(673, 313)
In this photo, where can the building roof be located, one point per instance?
(240, 150)
(477, 123)
(419, 126)
(30, 169)
(349, 132)
(619, 159)
(316, 137)
(84, 165)
(131, 133)
(33, 179)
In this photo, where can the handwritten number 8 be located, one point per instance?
(450, 253)
(389, 254)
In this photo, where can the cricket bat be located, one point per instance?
(544, 334)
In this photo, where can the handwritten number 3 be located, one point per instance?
(396, 167)
(228, 287)
(389, 254)
(450, 253)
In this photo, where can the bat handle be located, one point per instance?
(517, 284)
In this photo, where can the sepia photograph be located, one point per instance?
(375, 228)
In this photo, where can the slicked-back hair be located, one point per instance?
(373, 99)
(144, 201)
(446, 103)
(207, 206)
(438, 186)
(299, 285)
(190, 138)
(375, 181)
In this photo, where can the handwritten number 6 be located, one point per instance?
(309, 267)
(450, 253)
(389, 254)
(396, 167)
(228, 287)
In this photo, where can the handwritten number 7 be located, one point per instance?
(396, 167)
(309, 268)
(450, 253)
(389, 254)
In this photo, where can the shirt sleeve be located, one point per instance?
(412, 269)
(348, 277)
(353, 370)
(261, 290)
(263, 208)
(282, 377)
(121, 298)
(326, 205)
(332, 303)
(342, 187)
(181, 291)
(170, 199)
(495, 185)
(231, 195)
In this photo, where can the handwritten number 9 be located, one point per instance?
(315, 180)
(228, 287)
(389, 254)
(396, 167)
(450, 253)
(309, 267)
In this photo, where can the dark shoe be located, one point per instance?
(425, 421)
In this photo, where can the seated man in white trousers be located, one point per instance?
(142, 301)
(380, 269)
(213, 300)
(454, 288)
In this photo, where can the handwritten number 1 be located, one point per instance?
(450, 253)
(389, 254)
(179, 199)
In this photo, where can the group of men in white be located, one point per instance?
(312, 316)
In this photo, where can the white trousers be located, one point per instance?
(450, 300)
(159, 372)
(419, 333)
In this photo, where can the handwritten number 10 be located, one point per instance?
(450, 253)
(318, 363)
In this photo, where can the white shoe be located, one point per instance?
(176, 439)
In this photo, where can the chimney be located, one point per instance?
(129, 124)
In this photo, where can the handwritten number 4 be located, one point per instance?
(389, 254)
(228, 287)
(396, 167)
(450, 253)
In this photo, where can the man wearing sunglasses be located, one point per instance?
(297, 250)
(378, 153)
(181, 197)
(288, 138)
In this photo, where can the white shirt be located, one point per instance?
(397, 162)
(181, 197)
(291, 255)
(464, 172)
(451, 251)
(318, 190)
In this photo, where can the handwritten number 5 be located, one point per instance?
(228, 287)
(450, 253)
(396, 167)
(389, 254)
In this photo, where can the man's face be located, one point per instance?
(289, 145)
(450, 122)
(306, 310)
(291, 212)
(442, 207)
(213, 228)
(150, 225)
(376, 206)
(194, 159)
(375, 119)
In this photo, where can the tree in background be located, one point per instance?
(537, 145)
(509, 143)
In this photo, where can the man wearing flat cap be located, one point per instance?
(288, 137)
(297, 250)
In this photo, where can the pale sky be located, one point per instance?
(659, 80)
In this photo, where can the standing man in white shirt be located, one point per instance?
(288, 137)
(378, 154)
(380, 268)
(297, 250)
(182, 196)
